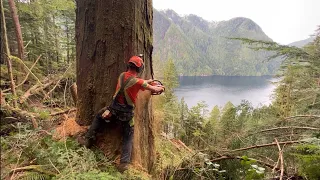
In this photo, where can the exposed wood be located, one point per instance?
(74, 94)
(64, 93)
(281, 158)
(17, 26)
(9, 64)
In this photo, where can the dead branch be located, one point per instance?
(36, 168)
(281, 158)
(63, 112)
(47, 95)
(234, 157)
(291, 127)
(302, 116)
(33, 90)
(26, 67)
(262, 145)
(25, 79)
(184, 145)
(55, 86)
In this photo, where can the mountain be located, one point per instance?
(200, 47)
(302, 42)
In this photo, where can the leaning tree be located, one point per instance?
(108, 33)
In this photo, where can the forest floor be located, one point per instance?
(53, 152)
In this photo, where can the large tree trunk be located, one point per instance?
(17, 26)
(108, 33)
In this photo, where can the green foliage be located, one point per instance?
(168, 101)
(251, 171)
(44, 115)
(48, 29)
(308, 156)
(228, 120)
(57, 159)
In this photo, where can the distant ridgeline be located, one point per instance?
(199, 47)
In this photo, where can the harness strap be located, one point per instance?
(123, 85)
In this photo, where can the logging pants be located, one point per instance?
(99, 124)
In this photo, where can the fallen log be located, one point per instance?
(17, 114)
(63, 112)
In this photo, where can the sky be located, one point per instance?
(284, 21)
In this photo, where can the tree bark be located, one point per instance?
(7, 56)
(108, 33)
(17, 26)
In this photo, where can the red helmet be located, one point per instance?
(136, 60)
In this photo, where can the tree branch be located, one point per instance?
(25, 79)
(26, 67)
(262, 145)
(63, 112)
(281, 158)
(302, 116)
(47, 95)
(291, 127)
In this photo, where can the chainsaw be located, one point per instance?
(157, 83)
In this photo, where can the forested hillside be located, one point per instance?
(199, 47)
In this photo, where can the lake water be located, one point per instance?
(218, 90)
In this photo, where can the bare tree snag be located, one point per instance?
(17, 26)
(108, 33)
(9, 66)
(74, 94)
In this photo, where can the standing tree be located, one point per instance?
(108, 33)
(17, 26)
(6, 53)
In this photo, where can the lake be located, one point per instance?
(218, 90)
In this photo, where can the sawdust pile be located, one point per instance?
(68, 128)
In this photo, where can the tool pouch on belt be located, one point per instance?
(123, 116)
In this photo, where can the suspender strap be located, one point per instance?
(124, 83)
